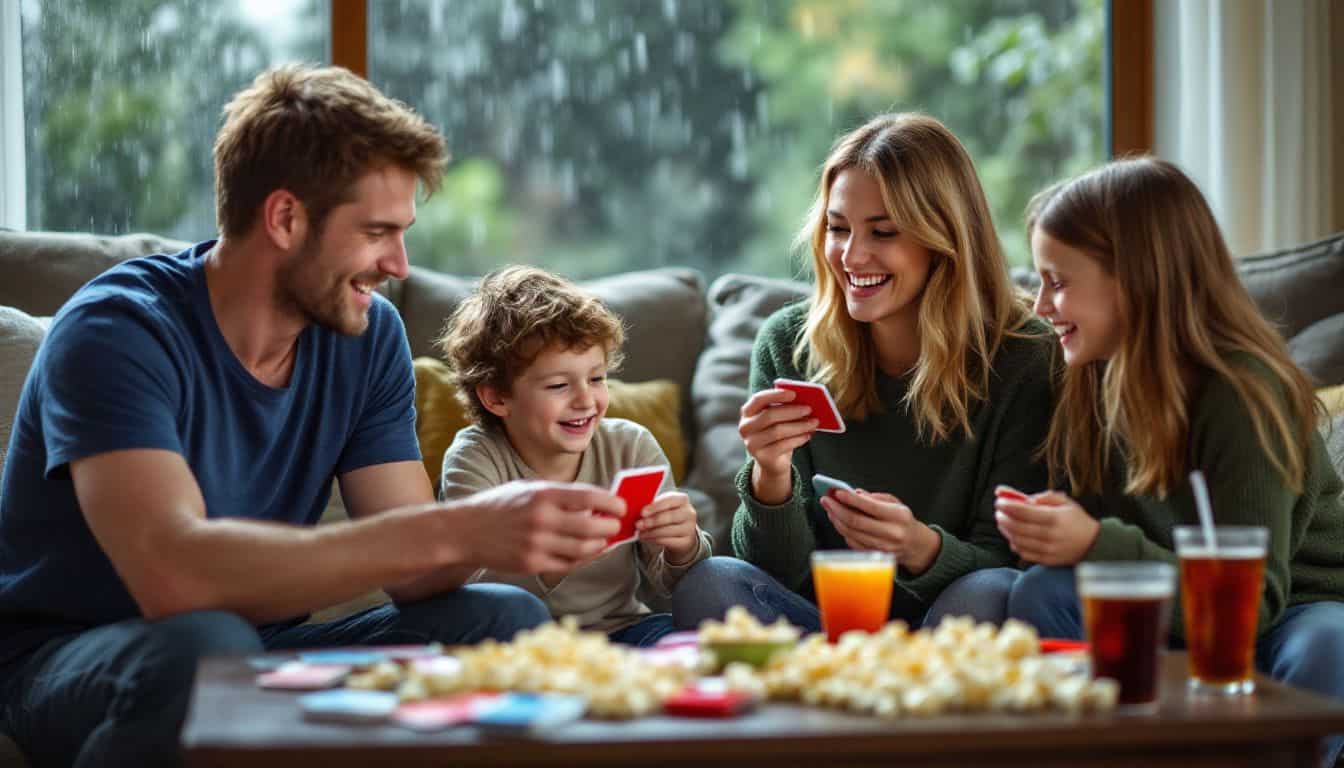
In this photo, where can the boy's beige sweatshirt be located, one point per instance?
(601, 594)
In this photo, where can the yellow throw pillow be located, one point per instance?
(1333, 397)
(438, 414)
(656, 405)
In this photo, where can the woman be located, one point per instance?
(934, 361)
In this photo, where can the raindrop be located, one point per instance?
(641, 53)
(625, 118)
(559, 82)
(737, 159)
(510, 20)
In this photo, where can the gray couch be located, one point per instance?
(680, 330)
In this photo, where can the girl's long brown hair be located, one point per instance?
(932, 193)
(1185, 313)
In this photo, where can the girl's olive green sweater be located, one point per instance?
(1305, 561)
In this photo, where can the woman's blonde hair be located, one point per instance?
(931, 193)
(1185, 313)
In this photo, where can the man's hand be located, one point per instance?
(537, 527)
(881, 523)
(669, 522)
(1048, 528)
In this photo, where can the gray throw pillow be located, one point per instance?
(1319, 349)
(739, 304)
(20, 335)
(1334, 442)
(53, 266)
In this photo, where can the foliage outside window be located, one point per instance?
(589, 136)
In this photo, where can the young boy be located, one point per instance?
(529, 353)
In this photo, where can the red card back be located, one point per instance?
(818, 399)
(697, 703)
(638, 487)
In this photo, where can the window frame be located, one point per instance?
(1129, 65)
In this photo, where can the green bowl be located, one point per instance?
(755, 653)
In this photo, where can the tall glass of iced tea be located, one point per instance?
(853, 589)
(1126, 614)
(1220, 597)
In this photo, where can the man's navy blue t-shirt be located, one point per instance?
(135, 359)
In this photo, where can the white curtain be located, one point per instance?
(13, 212)
(1243, 104)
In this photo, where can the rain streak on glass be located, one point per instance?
(122, 101)
(597, 136)
(588, 136)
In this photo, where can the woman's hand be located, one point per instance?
(1048, 528)
(669, 522)
(880, 522)
(772, 429)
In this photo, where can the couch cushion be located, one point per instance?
(663, 309)
(20, 335)
(1334, 442)
(439, 414)
(1297, 287)
(739, 304)
(1319, 349)
(55, 265)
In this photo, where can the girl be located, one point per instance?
(1171, 368)
(936, 364)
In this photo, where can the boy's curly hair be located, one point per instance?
(514, 315)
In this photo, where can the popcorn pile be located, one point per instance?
(959, 667)
(554, 658)
(739, 626)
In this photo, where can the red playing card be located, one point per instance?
(694, 702)
(1008, 492)
(1060, 645)
(639, 487)
(818, 398)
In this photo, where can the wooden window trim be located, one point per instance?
(350, 35)
(1129, 76)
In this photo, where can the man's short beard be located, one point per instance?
(292, 285)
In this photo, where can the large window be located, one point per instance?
(597, 135)
(122, 100)
(589, 136)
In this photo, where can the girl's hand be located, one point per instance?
(1048, 528)
(881, 522)
(772, 429)
(669, 522)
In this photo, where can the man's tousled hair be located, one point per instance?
(314, 131)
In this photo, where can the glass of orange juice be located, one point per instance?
(853, 589)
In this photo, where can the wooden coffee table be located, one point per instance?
(232, 723)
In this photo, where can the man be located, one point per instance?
(177, 436)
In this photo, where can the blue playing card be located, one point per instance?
(532, 712)
(343, 658)
(349, 706)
